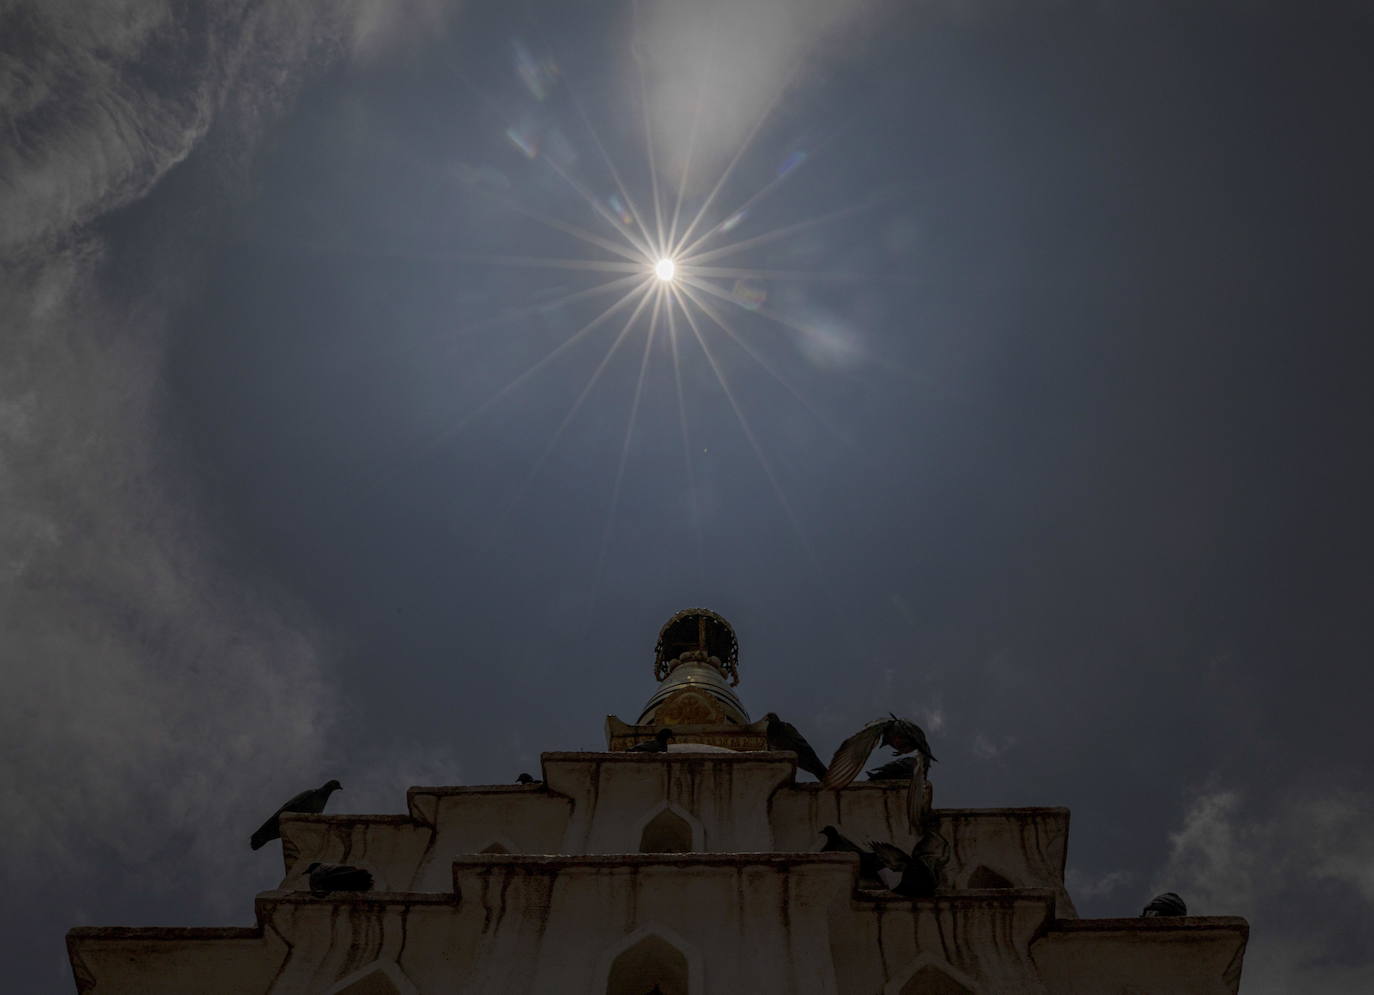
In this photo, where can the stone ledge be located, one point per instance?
(444, 790)
(164, 933)
(326, 818)
(352, 898)
(969, 896)
(1157, 924)
(556, 861)
(780, 757)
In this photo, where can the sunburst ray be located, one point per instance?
(629, 432)
(748, 431)
(723, 323)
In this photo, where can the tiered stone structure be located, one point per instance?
(695, 870)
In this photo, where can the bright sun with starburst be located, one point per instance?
(669, 272)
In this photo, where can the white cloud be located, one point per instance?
(1084, 886)
(1232, 859)
(99, 101)
(986, 748)
(156, 702)
(735, 60)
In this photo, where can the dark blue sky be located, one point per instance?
(1057, 388)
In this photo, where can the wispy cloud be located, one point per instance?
(1231, 857)
(158, 701)
(1084, 886)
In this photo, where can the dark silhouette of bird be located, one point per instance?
(525, 778)
(325, 878)
(916, 874)
(1167, 904)
(894, 770)
(903, 735)
(837, 842)
(784, 736)
(659, 744)
(654, 991)
(312, 801)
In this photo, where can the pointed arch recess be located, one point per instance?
(984, 876)
(651, 955)
(669, 828)
(927, 976)
(377, 978)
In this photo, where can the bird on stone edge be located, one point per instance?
(659, 744)
(325, 878)
(526, 778)
(1167, 904)
(784, 736)
(914, 875)
(837, 842)
(312, 802)
(894, 770)
(903, 736)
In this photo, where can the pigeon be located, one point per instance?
(325, 878)
(784, 736)
(1167, 904)
(525, 778)
(654, 991)
(894, 770)
(312, 801)
(837, 842)
(913, 875)
(659, 744)
(903, 736)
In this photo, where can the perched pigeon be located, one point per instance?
(904, 737)
(837, 842)
(325, 878)
(525, 778)
(912, 875)
(1167, 904)
(659, 744)
(312, 801)
(894, 770)
(654, 991)
(784, 736)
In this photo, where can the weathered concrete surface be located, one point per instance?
(1199, 955)
(159, 960)
(980, 939)
(571, 906)
(732, 802)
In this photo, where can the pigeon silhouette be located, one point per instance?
(312, 801)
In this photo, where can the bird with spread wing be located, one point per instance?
(903, 736)
(914, 874)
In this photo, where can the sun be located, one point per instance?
(665, 269)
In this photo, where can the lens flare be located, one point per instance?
(665, 270)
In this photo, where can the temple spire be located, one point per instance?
(696, 662)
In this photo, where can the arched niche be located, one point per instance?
(930, 980)
(669, 830)
(925, 976)
(375, 979)
(650, 961)
(984, 876)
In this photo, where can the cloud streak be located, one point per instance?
(1273, 866)
(157, 698)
